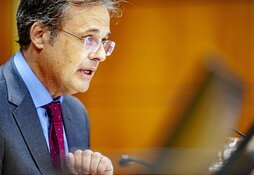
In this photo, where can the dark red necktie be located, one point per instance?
(56, 137)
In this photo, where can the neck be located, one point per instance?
(33, 58)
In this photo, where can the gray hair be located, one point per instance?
(51, 13)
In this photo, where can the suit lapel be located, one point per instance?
(74, 130)
(32, 133)
(26, 117)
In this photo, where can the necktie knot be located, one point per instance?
(54, 111)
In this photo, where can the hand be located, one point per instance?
(89, 162)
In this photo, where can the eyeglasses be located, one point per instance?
(92, 44)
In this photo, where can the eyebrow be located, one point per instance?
(97, 31)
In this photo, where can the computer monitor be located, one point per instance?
(204, 124)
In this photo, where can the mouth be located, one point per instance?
(87, 73)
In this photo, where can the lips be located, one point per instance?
(87, 73)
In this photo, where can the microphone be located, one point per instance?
(126, 160)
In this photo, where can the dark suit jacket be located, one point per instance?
(23, 149)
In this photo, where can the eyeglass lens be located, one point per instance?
(93, 44)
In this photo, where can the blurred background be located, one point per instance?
(136, 97)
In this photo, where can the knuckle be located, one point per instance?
(77, 152)
(87, 152)
(104, 161)
(97, 155)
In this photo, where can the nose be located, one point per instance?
(99, 55)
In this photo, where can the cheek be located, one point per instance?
(72, 62)
(71, 57)
(68, 58)
(73, 51)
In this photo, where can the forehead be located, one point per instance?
(79, 18)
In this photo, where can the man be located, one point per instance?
(44, 130)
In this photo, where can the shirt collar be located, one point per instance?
(38, 92)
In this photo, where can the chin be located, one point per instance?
(83, 88)
(79, 87)
(71, 92)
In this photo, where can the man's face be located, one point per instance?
(66, 65)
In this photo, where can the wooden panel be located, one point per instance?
(137, 90)
(6, 44)
(160, 45)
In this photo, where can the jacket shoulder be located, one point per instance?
(74, 103)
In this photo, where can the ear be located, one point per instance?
(37, 31)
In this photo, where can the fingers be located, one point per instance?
(95, 161)
(86, 161)
(89, 162)
(70, 163)
(105, 167)
(78, 161)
